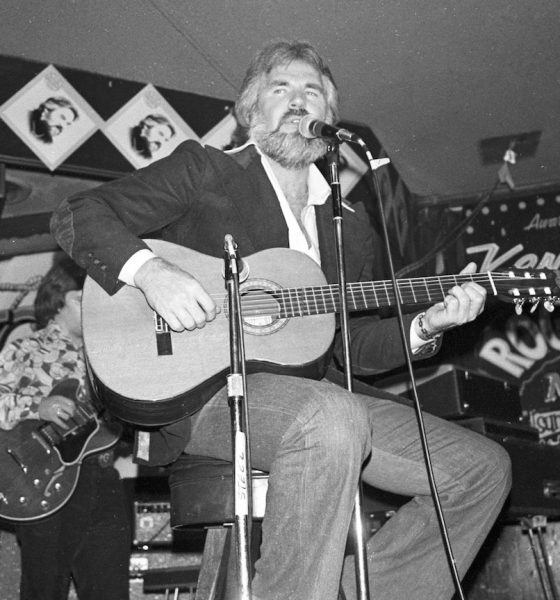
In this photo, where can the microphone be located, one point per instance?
(309, 127)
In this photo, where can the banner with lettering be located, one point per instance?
(522, 232)
(520, 347)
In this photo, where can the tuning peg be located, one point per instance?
(535, 305)
(549, 305)
(518, 307)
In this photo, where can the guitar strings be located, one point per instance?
(325, 298)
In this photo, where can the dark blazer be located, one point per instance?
(194, 198)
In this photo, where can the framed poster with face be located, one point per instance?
(50, 116)
(220, 136)
(147, 128)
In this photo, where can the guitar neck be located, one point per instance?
(377, 294)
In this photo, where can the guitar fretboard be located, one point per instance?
(314, 300)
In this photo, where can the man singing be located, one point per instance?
(314, 437)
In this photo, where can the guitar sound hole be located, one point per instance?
(261, 307)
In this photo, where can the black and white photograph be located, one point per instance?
(287, 325)
(147, 128)
(50, 116)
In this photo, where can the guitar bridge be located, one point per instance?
(163, 336)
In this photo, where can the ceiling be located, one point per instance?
(431, 78)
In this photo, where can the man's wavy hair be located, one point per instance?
(281, 53)
(65, 275)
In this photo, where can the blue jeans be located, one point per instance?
(316, 439)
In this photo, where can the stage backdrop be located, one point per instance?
(518, 230)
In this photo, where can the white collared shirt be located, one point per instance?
(318, 193)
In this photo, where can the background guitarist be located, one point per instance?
(87, 539)
(314, 437)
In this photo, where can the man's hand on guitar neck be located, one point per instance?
(175, 295)
(463, 303)
(57, 409)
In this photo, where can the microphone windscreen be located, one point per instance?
(306, 127)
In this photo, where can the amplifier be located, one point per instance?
(535, 468)
(536, 478)
(151, 524)
(500, 429)
(154, 546)
(461, 393)
(145, 562)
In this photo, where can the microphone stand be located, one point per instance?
(405, 336)
(237, 392)
(358, 529)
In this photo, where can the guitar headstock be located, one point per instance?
(528, 287)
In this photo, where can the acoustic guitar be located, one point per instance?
(149, 375)
(40, 462)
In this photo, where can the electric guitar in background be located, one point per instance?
(40, 462)
(149, 375)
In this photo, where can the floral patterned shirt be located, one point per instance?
(29, 369)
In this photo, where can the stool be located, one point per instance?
(202, 496)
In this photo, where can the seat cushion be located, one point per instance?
(202, 491)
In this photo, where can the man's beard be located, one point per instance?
(290, 150)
